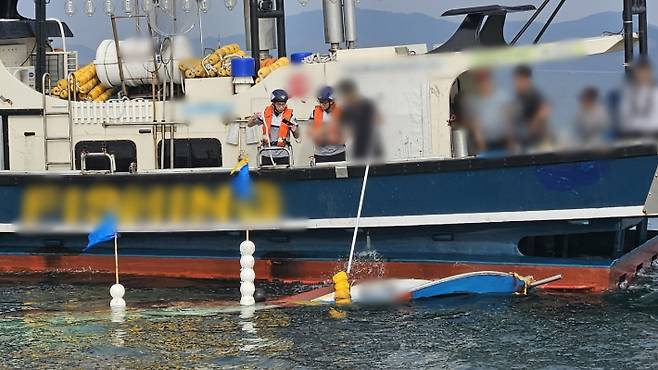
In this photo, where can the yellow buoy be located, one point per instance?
(335, 314)
(199, 71)
(86, 88)
(190, 73)
(342, 285)
(55, 91)
(85, 74)
(105, 95)
(341, 288)
(221, 53)
(97, 91)
(62, 84)
(263, 72)
(213, 59)
(64, 94)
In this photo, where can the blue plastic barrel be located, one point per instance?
(243, 67)
(298, 58)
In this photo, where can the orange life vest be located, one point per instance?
(283, 129)
(318, 119)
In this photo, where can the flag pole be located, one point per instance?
(116, 258)
(117, 290)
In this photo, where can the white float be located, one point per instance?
(137, 61)
(247, 273)
(117, 292)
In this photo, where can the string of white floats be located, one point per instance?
(247, 273)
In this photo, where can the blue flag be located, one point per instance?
(242, 181)
(104, 231)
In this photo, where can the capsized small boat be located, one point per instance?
(401, 290)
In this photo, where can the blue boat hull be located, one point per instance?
(547, 210)
(474, 283)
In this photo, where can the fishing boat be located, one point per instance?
(142, 133)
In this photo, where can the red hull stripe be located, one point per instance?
(306, 271)
(592, 278)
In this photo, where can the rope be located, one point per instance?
(358, 216)
(318, 58)
(116, 258)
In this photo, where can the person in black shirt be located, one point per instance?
(360, 116)
(530, 113)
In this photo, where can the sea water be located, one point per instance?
(64, 321)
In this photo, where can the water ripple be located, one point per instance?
(54, 323)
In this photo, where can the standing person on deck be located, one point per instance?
(530, 113)
(592, 122)
(484, 114)
(278, 122)
(326, 131)
(360, 116)
(639, 104)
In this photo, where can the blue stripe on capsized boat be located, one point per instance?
(472, 283)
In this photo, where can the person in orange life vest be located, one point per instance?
(278, 122)
(326, 133)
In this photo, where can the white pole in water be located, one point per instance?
(117, 290)
(247, 274)
(358, 216)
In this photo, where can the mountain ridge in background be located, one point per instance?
(380, 28)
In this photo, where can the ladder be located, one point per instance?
(47, 139)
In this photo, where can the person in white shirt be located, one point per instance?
(278, 122)
(485, 113)
(592, 122)
(639, 104)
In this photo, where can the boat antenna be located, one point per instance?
(549, 21)
(529, 22)
(627, 17)
(642, 29)
(41, 40)
(631, 8)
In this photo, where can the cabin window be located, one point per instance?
(586, 245)
(124, 151)
(192, 153)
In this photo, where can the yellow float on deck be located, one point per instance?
(87, 86)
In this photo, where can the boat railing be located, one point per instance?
(267, 150)
(85, 155)
(115, 111)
